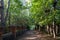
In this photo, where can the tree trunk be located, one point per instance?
(54, 35)
(47, 29)
(2, 14)
(1, 18)
(39, 28)
(50, 30)
(7, 12)
(56, 29)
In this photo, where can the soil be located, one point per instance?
(35, 35)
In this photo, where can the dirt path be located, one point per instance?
(33, 35)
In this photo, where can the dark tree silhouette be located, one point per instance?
(2, 13)
(55, 3)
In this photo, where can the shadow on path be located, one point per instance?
(34, 35)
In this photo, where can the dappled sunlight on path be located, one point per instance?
(33, 35)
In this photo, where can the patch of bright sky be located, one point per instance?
(28, 3)
(25, 1)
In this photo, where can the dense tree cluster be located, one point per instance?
(44, 14)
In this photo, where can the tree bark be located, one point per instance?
(47, 29)
(2, 18)
(7, 12)
(50, 30)
(56, 29)
(54, 35)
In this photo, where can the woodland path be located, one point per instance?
(34, 35)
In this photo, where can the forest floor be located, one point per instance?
(34, 35)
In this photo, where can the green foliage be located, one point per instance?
(19, 14)
(40, 16)
(37, 12)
